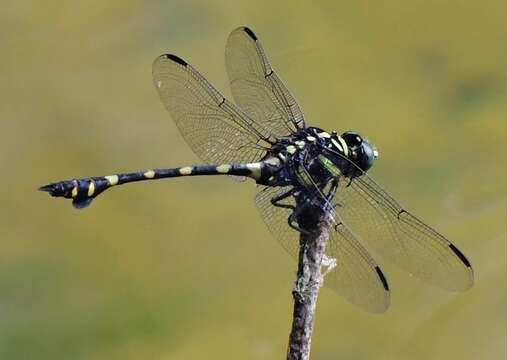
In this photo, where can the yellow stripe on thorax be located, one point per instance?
(344, 146)
(303, 177)
(330, 166)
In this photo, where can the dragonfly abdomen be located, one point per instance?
(83, 191)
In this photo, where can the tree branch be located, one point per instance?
(306, 289)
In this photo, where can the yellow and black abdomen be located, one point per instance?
(83, 191)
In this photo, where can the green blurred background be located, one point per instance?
(185, 269)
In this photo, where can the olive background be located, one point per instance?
(185, 268)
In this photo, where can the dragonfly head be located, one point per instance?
(360, 151)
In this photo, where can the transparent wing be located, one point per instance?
(216, 130)
(399, 236)
(356, 276)
(256, 87)
(276, 218)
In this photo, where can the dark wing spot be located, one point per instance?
(460, 255)
(250, 33)
(176, 59)
(382, 278)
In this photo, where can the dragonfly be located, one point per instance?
(299, 169)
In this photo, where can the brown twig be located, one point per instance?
(306, 289)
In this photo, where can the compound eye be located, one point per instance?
(352, 138)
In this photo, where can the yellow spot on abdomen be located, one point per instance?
(272, 161)
(112, 179)
(150, 174)
(186, 170)
(291, 149)
(223, 169)
(255, 169)
(91, 188)
(74, 191)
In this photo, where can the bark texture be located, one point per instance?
(306, 289)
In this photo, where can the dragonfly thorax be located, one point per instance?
(343, 149)
(325, 155)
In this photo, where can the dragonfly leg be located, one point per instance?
(276, 201)
(292, 221)
(332, 192)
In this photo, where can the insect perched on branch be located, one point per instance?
(299, 167)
